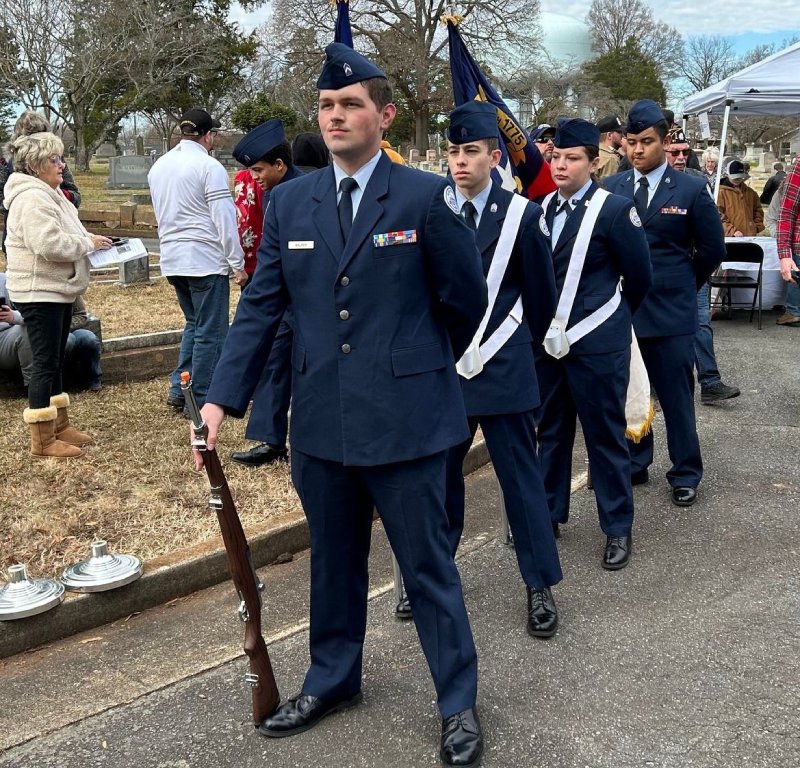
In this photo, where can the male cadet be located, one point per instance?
(268, 155)
(498, 371)
(610, 142)
(712, 388)
(387, 291)
(684, 233)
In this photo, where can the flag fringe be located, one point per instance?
(636, 435)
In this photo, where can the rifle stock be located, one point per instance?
(240, 564)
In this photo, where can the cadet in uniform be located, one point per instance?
(498, 371)
(610, 141)
(584, 368)
(387, 291)
(268, 156)
(684, 233)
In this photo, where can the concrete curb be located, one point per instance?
(165, 578)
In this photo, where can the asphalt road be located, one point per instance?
(688, 658)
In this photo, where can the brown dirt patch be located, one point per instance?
(136, 488)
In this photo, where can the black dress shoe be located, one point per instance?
(684, 497)
(403, 610)
(261, 454)
(542, 613)
(302, 713)
(556, 529)
(618, 552)
(462, 739)
(641, 477)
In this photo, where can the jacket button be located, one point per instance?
(344, 314)
(345, 280)
(346, 349)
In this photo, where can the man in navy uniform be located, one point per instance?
(684, 233)
(387, 291)
(603, 274)
(498, 372)
(268, 155)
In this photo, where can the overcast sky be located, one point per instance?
(745, 22)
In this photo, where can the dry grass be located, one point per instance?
(136, 488)
(128, 310)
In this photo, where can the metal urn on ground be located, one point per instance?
(23, 597)
(102, 571)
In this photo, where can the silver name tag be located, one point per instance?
(301, 245)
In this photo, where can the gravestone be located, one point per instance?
(106, 149)
(128, 172)
(135, 271)
(139, 145)
(413, 156)
(430, 155)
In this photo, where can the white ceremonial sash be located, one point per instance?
(639, 410)
(558, 339)
(477, 355)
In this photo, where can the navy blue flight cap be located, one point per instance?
(343, 66)
(472, 121)
(574, 132)
(261, 140)
(644, 114)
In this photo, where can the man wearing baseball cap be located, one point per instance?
(610, 141)
(742, 214)
(199, 246)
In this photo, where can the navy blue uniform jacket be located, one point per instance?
(507, 384)
(377, 328)
(618, 248)
(684, 231)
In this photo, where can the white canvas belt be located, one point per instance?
(558, 339)
(477, 355)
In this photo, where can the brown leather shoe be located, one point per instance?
(787, 319)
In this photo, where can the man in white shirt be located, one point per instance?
(199, 245)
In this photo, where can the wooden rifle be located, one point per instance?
(248, 586)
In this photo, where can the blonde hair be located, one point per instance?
(30, 122)
(31, 153)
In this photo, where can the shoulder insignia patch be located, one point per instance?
(543, 226)
(634, 217)
(450, 199)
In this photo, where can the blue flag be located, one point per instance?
(522, 167)
(342, 32)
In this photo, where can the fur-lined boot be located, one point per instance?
(65, 432)
(42, 423)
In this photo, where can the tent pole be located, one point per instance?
(722, 141)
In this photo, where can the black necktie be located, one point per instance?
(468, 212)
(564, 208)
(345, 207)
(640, 197)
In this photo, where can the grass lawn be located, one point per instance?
(136, 487)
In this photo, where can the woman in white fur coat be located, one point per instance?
(48, 267)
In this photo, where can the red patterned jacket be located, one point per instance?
(248, 199)
(788, 235)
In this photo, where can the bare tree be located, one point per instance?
(614, 22)
(408, 41)
(707, 60)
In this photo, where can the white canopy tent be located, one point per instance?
(768, 87)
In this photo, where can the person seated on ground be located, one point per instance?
(739, 206)
(773, 182)
(710, 160)
(82, 357)
(712, 388)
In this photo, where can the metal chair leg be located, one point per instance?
(507, 537)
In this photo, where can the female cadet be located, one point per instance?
(602, 268)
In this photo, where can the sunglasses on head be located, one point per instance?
(676, 152)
